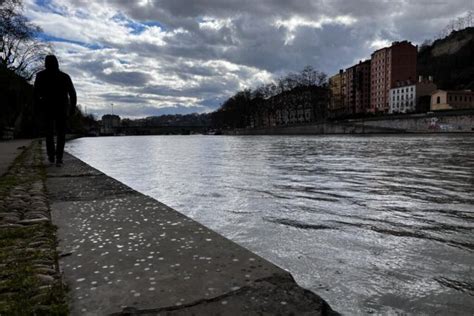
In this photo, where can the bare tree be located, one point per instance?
(470, 18)
(460, 23)
(20, 50)
(312, 77)
(457, 24)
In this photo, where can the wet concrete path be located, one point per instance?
(126, 253)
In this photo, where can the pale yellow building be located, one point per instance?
(336, 86)
(452, 100)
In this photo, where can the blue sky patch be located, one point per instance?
(49, 38)
(49, 6)
(135, 27)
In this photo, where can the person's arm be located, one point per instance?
(72, 96)
(35, 107)
(37, 92)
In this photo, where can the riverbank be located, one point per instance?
(126, 253)
(434, 122)
(30, 279)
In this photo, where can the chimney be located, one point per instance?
(420, 78)
(430, 78)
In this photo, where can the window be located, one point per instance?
(438, 100)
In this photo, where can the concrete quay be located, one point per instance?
(124, 253)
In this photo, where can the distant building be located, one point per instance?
(337, 88)
(452, 100)
(407, 97)
(360, 87)
(110, 124)
(350, 90)
(390, 65)
(349, 94)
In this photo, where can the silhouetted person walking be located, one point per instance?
(55, 97)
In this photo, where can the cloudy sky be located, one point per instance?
(153, 57)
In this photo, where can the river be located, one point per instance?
(373, 224)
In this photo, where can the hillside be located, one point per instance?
(450, 60)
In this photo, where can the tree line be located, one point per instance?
(237, 110)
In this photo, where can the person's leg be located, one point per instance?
(49, 129)
(61, 138)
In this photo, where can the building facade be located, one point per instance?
(452, 100)
(402, 99)
(110, 124)
(361, 87)
(349, 94)
(390, 65)
(406, 97)
(337, 89)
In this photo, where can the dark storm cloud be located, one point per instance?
(172, 12)
(129, 98)
(100, 69)
(126, 78)
(252, 39)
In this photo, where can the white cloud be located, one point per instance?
(379, 43)
(297, 21)
(214, 24)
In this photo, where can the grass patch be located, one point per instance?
(25, 251)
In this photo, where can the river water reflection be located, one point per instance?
(374, 224)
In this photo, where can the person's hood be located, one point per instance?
(51, 63)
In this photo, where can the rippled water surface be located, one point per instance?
(378, 224)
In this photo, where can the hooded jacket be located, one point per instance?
(54, 91)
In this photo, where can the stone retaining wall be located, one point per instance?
(427, 123)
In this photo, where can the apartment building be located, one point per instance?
(361, 87)
(407, 97)
(390, 65)
(336, 87)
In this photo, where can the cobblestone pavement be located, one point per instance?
(30, 280)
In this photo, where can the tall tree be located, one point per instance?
(20, 50)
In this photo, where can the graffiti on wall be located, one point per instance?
(436, 125)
